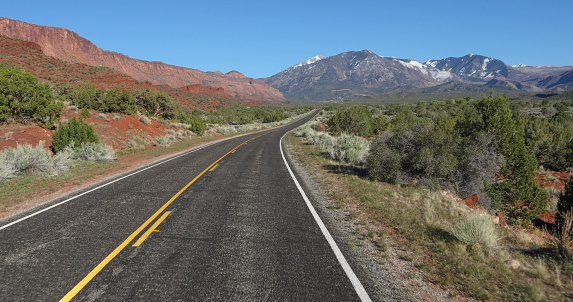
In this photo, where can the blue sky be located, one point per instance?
(262, 38)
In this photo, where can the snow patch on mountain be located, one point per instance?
(310, 61)
(519, 65)
(428, 68)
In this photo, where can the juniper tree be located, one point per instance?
(516, 194)
(76, 131)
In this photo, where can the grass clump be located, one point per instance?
(477, 228)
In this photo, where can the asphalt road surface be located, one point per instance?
(225, 222)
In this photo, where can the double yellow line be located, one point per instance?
(72, 293)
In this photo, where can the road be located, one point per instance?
(225, 222)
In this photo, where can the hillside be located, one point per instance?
(29, 57)
(69, 46)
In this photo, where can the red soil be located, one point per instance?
(557, 180)
(115, 130)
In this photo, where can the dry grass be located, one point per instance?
(424, 222)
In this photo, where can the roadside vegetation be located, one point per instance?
(421, 159)
(78, 153)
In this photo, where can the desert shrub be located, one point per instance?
(274, 117)
(550, 140)
(198, 126)
(24, 99)
(477, 228)
(84, 96)
(85, 113)
(191, 118)
(423, 151)
(348, 148)
(356, 120)
(384, 163)
(118, 100)
(144, 119)
(76, 131)
(29, 159)
(91, 151)
(166, 140)
(155, 103)
(7, 169)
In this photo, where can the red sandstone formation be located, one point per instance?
(67, 45)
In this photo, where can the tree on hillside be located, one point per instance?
(24, 99)
(76, 131)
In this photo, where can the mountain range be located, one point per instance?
(344, 76)
(364, 73)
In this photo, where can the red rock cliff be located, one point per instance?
(67, 45)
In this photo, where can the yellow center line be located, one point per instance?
(151, 229)
(214, 168)
(72, 293)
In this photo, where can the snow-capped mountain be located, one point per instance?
(361, 72)
(357, 73)
(472, 67)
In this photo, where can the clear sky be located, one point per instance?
(262, 38)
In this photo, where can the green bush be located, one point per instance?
(83, 96)
(356, 120)
(118, 100)
(195, 122)
(157, 104)
(24, 99)
(76, 131)
(384, 163)
(86, 113)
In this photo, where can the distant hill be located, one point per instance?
(69, 46)
(357, 74)
(30, 58)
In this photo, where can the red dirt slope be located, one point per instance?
(69, 46)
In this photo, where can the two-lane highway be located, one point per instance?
(224, 222)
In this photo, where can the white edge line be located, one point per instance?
(116, 180)
(347, 269)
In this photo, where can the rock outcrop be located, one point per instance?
(69, 46)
